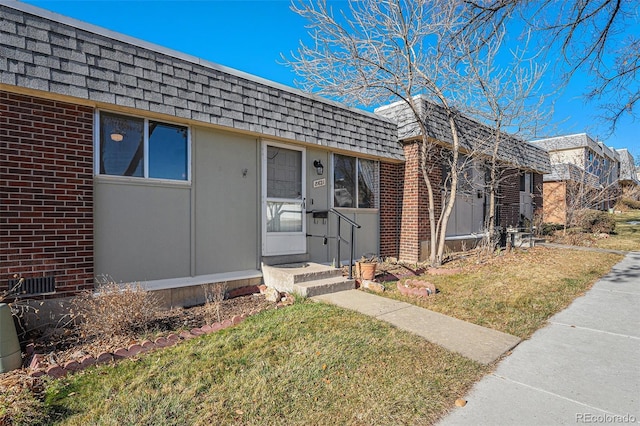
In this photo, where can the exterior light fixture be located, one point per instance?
(319, 167)
(116, 136)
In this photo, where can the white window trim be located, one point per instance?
(357, 181)
(96, 150)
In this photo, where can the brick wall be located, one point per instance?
(414, 222)
(555, 202)
(390, 208)
(46, 192)
(409, 245)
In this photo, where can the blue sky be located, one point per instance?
(251, 36)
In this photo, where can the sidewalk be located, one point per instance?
(472, 341)
(584, 367)
(570, 247)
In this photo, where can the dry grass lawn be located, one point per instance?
(626, 236)
(312, 363)
(308, 364)
(516, 292)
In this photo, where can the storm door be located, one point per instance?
(283, 200)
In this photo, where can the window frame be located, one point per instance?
(145, 160)
(356, 199)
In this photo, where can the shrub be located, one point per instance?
(549, 228)
(628, 204)
(214, 294)
(115, 310)
(595, 221)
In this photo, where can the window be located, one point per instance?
(527, 182)
(590, 162)
(355, 182)
(137, 147)
(467, 171)
(367, 183)
(532, 185)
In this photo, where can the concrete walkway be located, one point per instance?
(583, 367)
(472, 341)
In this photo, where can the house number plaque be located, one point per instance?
(319, 182)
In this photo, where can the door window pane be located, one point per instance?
(284, 217)
(284, 173)
(121, 145)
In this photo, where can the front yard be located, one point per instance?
(626, 236)
(627, 233)
(312, 363)
(306, 364)
(516, 292)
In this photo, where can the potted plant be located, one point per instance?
(366, 267)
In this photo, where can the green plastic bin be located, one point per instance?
(10, 355)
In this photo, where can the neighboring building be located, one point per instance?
(586, 174)
(123, 158)
(629, 182)
(565, 189)
(519, 193)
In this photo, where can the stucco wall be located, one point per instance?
(318, 199)
(148, 230)
(142, 229)
(226, 181)
(366, 238)
(574, 156)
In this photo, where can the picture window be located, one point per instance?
(137, 147)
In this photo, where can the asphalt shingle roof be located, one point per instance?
(474, 136)
(49, 52)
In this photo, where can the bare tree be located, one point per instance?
(508, 100)
(590, 35)
(375, 52)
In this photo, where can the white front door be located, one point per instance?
(283, 200)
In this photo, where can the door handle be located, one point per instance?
(304, 204)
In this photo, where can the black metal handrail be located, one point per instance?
(338, 237)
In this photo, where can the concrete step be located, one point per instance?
(285, 277)
(324, 286)
(523, 239)
(285, 259)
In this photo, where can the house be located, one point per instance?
(125, 159)
(518, 196)
(566, 189)
(629, 182)
(586, 174)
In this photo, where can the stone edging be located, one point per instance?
(416, 288)
(36, 369)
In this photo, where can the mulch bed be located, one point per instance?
(63, 344)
